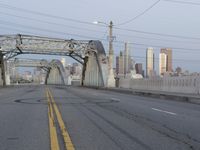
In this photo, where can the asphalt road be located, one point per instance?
(96, 120)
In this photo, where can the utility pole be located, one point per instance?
(2, 66)
(111, 79)
(111, 38)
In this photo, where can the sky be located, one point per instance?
(170, 23)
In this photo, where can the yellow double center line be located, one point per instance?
(52, 108)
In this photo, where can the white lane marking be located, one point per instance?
(168, 112)
(115, 99)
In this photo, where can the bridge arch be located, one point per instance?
(56, 73)
(90, 54)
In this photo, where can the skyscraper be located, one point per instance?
(127, 60)
(149, 61)
(168, 52)
(120, 64)
(138, 68)
(162, 63)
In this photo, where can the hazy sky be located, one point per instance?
(166, 17)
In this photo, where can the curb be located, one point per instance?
(154, 94)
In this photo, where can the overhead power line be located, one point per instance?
(46, 30)
(119, 45)
(157, 58)
(158, 34)
(157, 39)
(43, 14)
(86, 29)
(183, 2)
(89, 23)
(49, 22)
(162, 46)
(139, 15)
(89, 37)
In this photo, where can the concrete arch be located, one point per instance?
(95, 69)
(56, 73)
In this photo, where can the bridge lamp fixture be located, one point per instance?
(99, 22)
(95, 22)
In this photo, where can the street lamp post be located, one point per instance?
(111, 38)
(110, 78)
(2, 66)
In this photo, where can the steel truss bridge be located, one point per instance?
(89, 53)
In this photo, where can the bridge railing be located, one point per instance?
(185, 84)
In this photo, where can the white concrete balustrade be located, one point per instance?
(185, 84)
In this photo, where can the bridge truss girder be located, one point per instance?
(20, 62)
(13, 45)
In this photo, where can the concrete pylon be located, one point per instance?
(2, 66)
(111, 78)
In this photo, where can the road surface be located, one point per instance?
(60, 117)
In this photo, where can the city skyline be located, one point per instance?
(163, 65)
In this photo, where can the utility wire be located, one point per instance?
(86, 29)
(89, 23)
(182, 2)
(117, 45)
(158, 34)
(45, 30)
(89, 37)
(48, 22)
(157, 39)
(139, 15)
(160, 46)
(157, 58)
(43, 14)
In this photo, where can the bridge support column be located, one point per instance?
(111, 78)
(3, 71)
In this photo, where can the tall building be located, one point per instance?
(162, 63)
(149, 61)
(138, 68)
(168, 52)
(127, 59)
(120, 64)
